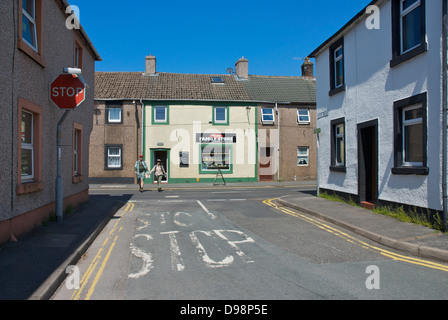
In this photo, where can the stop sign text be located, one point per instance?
(67, 91)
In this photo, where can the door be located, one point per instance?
(266, 165)
(368, 162)
(163, 156)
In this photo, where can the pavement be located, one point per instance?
(410, 238)
(35, 266)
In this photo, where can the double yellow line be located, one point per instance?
(113, 234)
(356, 241)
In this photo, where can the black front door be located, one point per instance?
(368, 161)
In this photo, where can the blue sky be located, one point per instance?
(209, 36)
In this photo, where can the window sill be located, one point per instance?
(336, 90)
(113, 169)
(77, 179)
(338, 169)
(29, 187)
(420, 171)
(25, 48)
(408, 55)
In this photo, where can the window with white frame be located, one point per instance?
(75, 152)
(338, 160)
(408, 30)
(27, 146)
(114, 114)
(160, 114)
(29, 155)
(267, 115)
(340, 145)
(412, 136)
(303, 116)
(114, 157)
(303, 156)
(220, 115)
(29, 26)
(338, 67)
(78, 55)
(410, 24)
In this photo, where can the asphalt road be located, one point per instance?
(227, 244)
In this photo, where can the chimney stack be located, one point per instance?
(308, 68)
(150, 65)
(242, 68)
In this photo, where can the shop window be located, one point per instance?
(214, 157)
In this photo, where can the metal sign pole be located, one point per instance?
(317, 131)
(67, 92)
(445, 117)
(59, 191)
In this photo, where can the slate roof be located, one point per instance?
(199, 87)
(281, 89)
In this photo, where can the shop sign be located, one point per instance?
(216, 138)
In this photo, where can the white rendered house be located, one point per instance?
(381, 92)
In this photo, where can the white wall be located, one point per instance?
(371, 89)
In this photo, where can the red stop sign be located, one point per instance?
(67, 91)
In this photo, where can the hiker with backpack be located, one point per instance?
(159, 172)
(140, 170)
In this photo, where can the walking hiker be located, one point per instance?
(159, 172)
(140, 170)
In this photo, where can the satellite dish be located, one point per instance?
(229, 70)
